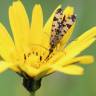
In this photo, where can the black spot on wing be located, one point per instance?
(68, 25)
(73, 17)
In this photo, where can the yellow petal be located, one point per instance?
(19, 24)
(31, 71)
(88, 59)
(6, 43)
(81, 43)
(37, 25)
(55, 57)
(88, 35)
(67, 12)
(64, 59)
(76, 47)
(67, 36)
(47, 30)
(4, 66)
(71, 69)
(45, 70)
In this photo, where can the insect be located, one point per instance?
(61, 24)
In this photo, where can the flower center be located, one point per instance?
(36, 56)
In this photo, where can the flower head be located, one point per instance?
(38, 50)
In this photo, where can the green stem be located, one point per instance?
(32, 94)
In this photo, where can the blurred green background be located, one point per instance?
(57, 84)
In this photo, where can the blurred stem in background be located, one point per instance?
(32, 94)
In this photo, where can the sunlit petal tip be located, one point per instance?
(37, 6)
(59, 6)
(93, 28)
(69, 10)
(72, 70)
(16, 2)
(87, 60)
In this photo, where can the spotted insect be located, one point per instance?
(61, 25)
(56, 28)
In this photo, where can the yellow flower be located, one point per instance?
(28, 54)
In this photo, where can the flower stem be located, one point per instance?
(32, 93)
